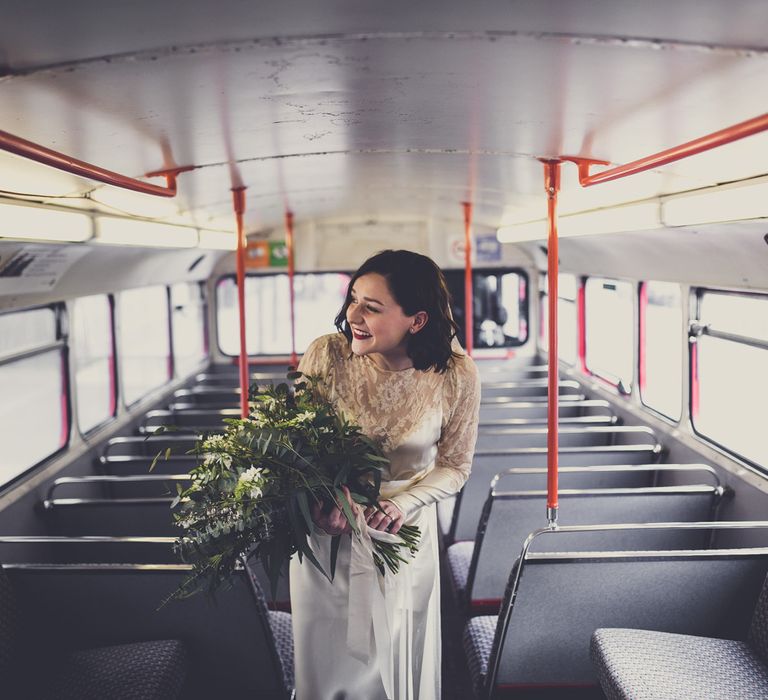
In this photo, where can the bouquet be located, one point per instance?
(252, 490)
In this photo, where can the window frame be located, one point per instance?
(696, 329)
(524, 306)
(60, 344)
(272, 273)
(583, 313)
(577, 301)
(204, 330)
(642, 301)
(169, 376)
(114, 387)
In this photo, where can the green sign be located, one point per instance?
(278, 254)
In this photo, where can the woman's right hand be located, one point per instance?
(334, 522)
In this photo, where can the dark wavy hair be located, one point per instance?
(417, 284)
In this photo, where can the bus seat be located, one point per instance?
(235, 645)
(555, 600)
(479, 569)
(633, 663)
(150, 670)
(486, 465)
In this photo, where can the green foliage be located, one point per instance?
(255, 485)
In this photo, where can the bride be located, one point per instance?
(395, 370)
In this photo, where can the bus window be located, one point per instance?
(661, 348)
(729, 381)
(187, 327)
(500, 307)
(609, 331)
(34, 420)
(318, 298)
(567, 324)
(143, 341)
(93, 346)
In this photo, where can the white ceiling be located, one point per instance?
(363, 110)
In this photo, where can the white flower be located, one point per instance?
(305, 417)
(251, 481)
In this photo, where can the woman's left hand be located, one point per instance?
(387, 517)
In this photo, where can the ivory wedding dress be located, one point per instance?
(364, 636)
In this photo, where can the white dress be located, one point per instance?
(364, 636)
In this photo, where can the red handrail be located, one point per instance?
(238, 199)
(551, 186)
(289, 246)
(47, 156)
(689, 148)
(468, 306)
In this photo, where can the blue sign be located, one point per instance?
(487, 248)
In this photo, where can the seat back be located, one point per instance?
(195, 421)
(556, 599)
(518, 437)
(9, 626)
(758, 630)
(485, 466)
(590, 412)
(150, 446)
(229, 639)
(509, 517)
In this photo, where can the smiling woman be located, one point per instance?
(393, 371)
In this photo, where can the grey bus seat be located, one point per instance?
(644, 449)
(110, 516)
(532, 391)
(236, 646)
(209, 396)
(651, 665)
(510, 438)
(479, 569)
(146, 670)
(541, 636)
(589, 412)
(194, 420)
(150, 446)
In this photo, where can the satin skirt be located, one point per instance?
(364, 636)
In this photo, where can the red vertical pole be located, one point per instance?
(238, 197)
(289, 245)
(468, 305)
(552, 185)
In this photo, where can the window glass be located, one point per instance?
(318, 298)
(188, 327)
(567, 318)
(730, 378)
(33, 416)
(94, 361)
(26, 330)
(609, 330)
(732, 313)
(661, 351)
(499, 311)
(143, 341)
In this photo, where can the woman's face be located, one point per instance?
(378, 323)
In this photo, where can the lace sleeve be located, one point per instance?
(457, 441)
(317, 362)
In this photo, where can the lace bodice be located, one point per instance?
(425, 422)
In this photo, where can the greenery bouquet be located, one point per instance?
(252, 490)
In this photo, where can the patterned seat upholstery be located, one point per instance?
(140, 671)
(459, 557)
(153, 670)
(644, 665)
(478, 640)
(282, 630)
